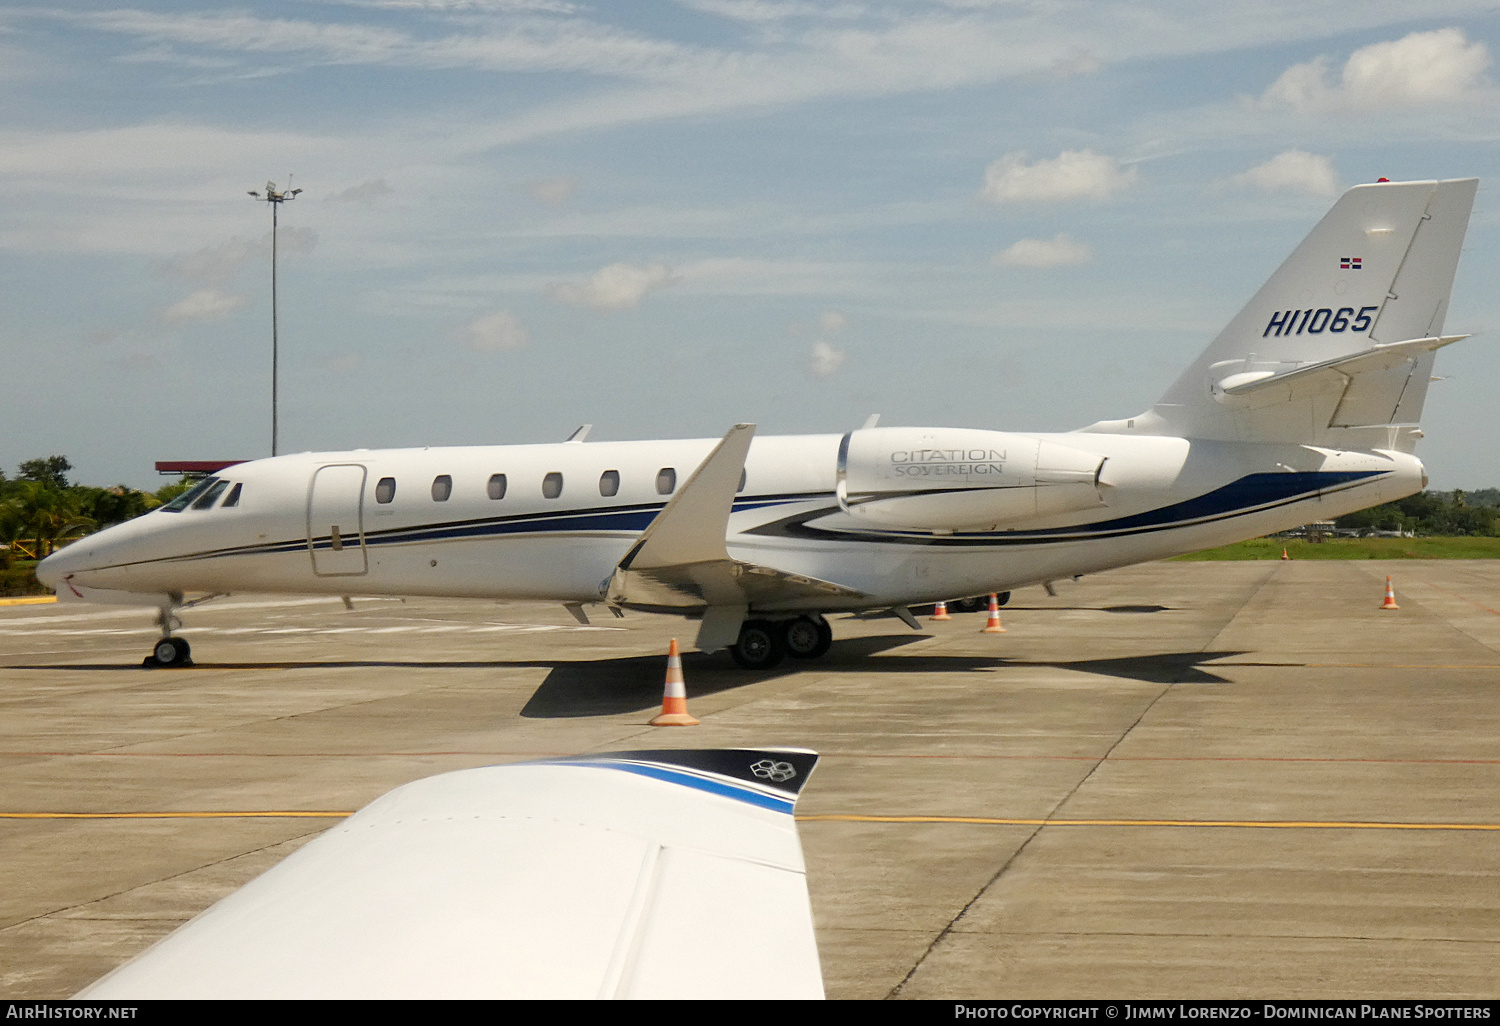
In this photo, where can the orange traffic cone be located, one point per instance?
(674, 696)
(993, 626)
(940, 611)
(1390, 595)
(1283, 553)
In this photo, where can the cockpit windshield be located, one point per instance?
(194, 493)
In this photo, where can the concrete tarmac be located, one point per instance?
(1178, 780)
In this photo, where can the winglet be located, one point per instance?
(681, 561)
(693, 525)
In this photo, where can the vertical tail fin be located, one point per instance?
(1376, 270)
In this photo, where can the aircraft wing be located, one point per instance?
(681, 561)
(656, 874)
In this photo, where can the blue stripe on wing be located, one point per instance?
(721, 786)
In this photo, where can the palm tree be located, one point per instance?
(51, 515)
(12, 526)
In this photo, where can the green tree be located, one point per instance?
(12, 527)
(50, 515)
(166, 493)
(48, 470)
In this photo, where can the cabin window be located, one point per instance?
(743, 479)
(609, 483)
(552, 485)
(666, 481)
(211, 496)
(234, 496)
(496, 487)
(442, 487)
(385, 491)
(180, 503)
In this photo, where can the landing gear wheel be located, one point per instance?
(170, 652)
(1002, 598)
(807, 638)
(759, 647)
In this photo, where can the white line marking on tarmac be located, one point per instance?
(477, 628)
(149, 611)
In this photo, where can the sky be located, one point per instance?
(669, 216)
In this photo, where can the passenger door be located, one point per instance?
(335, 521)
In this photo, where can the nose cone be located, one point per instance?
(55, 567)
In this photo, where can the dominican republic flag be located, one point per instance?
(1351, 263)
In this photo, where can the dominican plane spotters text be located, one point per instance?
(1305, 407)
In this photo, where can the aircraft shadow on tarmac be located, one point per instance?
(611, 686)
(605, 687)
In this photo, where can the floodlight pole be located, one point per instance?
(275, 199)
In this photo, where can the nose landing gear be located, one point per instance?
(169, 651)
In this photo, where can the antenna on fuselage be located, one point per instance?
(580, 434)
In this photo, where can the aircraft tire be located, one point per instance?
(1002, 598)
(760, 645)
(807, 637)
(171, 652)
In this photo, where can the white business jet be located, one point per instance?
(1304, 408)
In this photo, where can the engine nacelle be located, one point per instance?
(953, 479)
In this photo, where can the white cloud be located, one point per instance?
(467, 6)
(552, 191)
(616, 287)
(496, 332)
(365, 192)
(293, 240)
(826, 359)
(1420, 68)
(1074, 174)
(1058, 251)
(1295, 171)
(213, 265)
(832, 322)
(204, 305)
(763, 11)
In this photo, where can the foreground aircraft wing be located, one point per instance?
(681, 562)
(659, 874)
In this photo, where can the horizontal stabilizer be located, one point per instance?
(1338, 370)
(658, 874)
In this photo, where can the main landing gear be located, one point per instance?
(169, 651)
(978, 602)
(763, 643)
